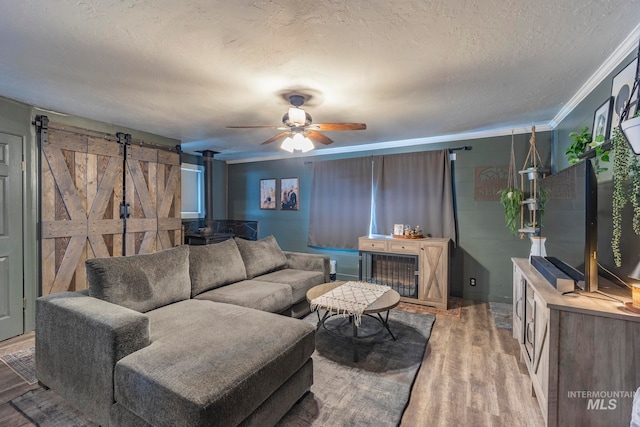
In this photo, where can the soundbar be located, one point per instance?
(556, 277)
(576, 275)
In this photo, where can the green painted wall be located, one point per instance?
(485, 245)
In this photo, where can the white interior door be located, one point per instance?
(11, 254)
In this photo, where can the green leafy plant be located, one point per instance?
(580, 141)
(511, 199)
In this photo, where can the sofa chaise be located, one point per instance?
(188, 336)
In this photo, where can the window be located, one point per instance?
(359, 196)
(192, 191)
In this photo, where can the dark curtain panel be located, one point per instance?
(414, 189)
(340, 203)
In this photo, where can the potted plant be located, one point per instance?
(578, 146)
(511, 199)
(581, 142)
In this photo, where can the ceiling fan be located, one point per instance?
(299, 131)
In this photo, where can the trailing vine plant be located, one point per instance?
(622, 159)
(511, 197)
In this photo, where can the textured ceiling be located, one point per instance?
(408, 69)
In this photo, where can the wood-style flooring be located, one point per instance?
(470, 376)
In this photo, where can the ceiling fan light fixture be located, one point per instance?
(297, 116)
(305, 144)
(288, 144)
(297, 142)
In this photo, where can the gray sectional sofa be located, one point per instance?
(184, 337)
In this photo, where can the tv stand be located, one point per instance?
(575, 344)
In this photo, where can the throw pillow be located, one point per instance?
(261, 256)
(141, 282)
(212, 266)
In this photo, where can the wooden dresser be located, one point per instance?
(432, 264)
(582, 351)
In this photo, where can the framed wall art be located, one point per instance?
(620, 90)
(602, 121)
(268, 193)
(289, 194)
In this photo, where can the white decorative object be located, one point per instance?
(631, 129)
(537, 246)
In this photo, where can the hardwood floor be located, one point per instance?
(470, 376)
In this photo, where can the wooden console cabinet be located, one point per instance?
(582, 351)
(433, 264)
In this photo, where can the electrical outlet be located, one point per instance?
(472, 281)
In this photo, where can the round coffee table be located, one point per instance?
(384, 303)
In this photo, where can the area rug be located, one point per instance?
(46, 409)
(373, 391)
(22, 363)
(502, 314)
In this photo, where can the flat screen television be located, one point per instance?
(570, 222)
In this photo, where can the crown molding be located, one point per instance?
(619, 54)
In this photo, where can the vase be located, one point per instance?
(537, 246)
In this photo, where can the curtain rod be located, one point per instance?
(463, 148)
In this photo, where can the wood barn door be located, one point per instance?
(95, 203)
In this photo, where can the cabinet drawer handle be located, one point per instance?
(528, 332)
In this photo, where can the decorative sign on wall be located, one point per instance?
(289, 194)
(488, 182)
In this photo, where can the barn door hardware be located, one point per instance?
(124, 139)
(125, 210)
(42, 126)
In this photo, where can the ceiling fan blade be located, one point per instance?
(339, 126)
(253, 127)
(318, 137)
(275, 138)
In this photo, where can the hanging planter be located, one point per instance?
(631, 130)
(531, 172)
(511, 197)
(532, 204)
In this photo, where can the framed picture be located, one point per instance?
(602, 121)
(289, 192)
(268, 193)
(620, 90)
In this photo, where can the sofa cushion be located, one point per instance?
(261, 256)
(210, 363)
(299, 280)
(141, 282)
(264, 296)
(212, 266)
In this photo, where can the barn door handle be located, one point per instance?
(124, 210)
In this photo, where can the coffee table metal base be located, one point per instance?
(384, 321)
